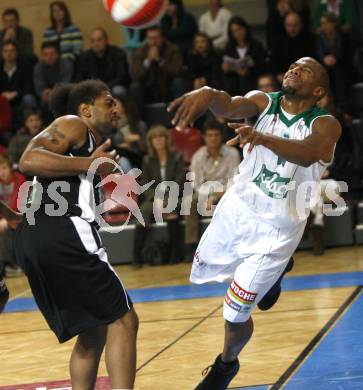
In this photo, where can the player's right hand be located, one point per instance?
(102, 153)
(190, 107)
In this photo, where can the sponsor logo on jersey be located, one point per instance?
(238, 293)
(272, 184)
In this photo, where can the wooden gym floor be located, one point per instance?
(311, 339)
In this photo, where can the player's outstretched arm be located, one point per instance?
(192, 105)
(43, 156)
(319, 146)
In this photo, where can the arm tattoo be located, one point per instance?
(55, 135)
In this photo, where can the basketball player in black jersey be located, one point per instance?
(75, 287)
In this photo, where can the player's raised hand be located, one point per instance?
(246, 134)
(103, 152)
(190, 107)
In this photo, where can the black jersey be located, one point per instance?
(80, 193)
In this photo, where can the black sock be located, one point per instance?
(227, 364)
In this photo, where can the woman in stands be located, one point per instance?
(204, 63)
(63, 31)
(243, 58)
(161, 164)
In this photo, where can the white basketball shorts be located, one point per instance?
(240, 247)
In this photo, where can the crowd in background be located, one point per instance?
(159, 64)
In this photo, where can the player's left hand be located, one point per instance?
(245, 135)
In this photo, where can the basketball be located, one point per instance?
(135, 13)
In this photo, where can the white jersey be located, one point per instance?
(270, 186)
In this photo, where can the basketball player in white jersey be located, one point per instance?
(256, 227)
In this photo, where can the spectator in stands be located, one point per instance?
(204, 63)
(291, 46)
(32, 126)
(214, 23)
(267, 83)
(16, 81)
(334, 50)
(132, 38)
(343, 166)
(213, 162)
(346, 12)
(5, 121)
(316, 221)
(105, 62)
(277, 11)
(179, 26)
(52, 69)
(10, 182)
(243, 58)
(156, 70)
(22, 36)
(160, 164)
(63, 31)
(130, 136)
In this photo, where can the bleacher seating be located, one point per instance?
(186, 142)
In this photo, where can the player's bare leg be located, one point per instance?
(121, 351)
(226, 365)
(85, 358)
(236, 336)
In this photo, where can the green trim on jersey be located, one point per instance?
(308, 115)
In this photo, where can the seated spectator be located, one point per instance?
(343, 166)
(10, 182)
(243, 58)
(277, 11)
(22, 36)
(179, 26)
(346, 12)
(316, 219)
(130, 136)
(156, 70)
(214, 23)
(51, 70)
(344, 147)
(334, 51)
(267, 83)
(16, 81)
(105, 62)
(5, 120)
(294, 44)
(132, 39)
(160, 164)
(32, 126)
(62, 31)
(213, 162)
(204, 63)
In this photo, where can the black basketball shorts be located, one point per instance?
(73, 283)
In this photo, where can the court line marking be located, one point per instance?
(317, 339)
(260, 312)
(28, 290)
(181, 318)
(179, 338)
